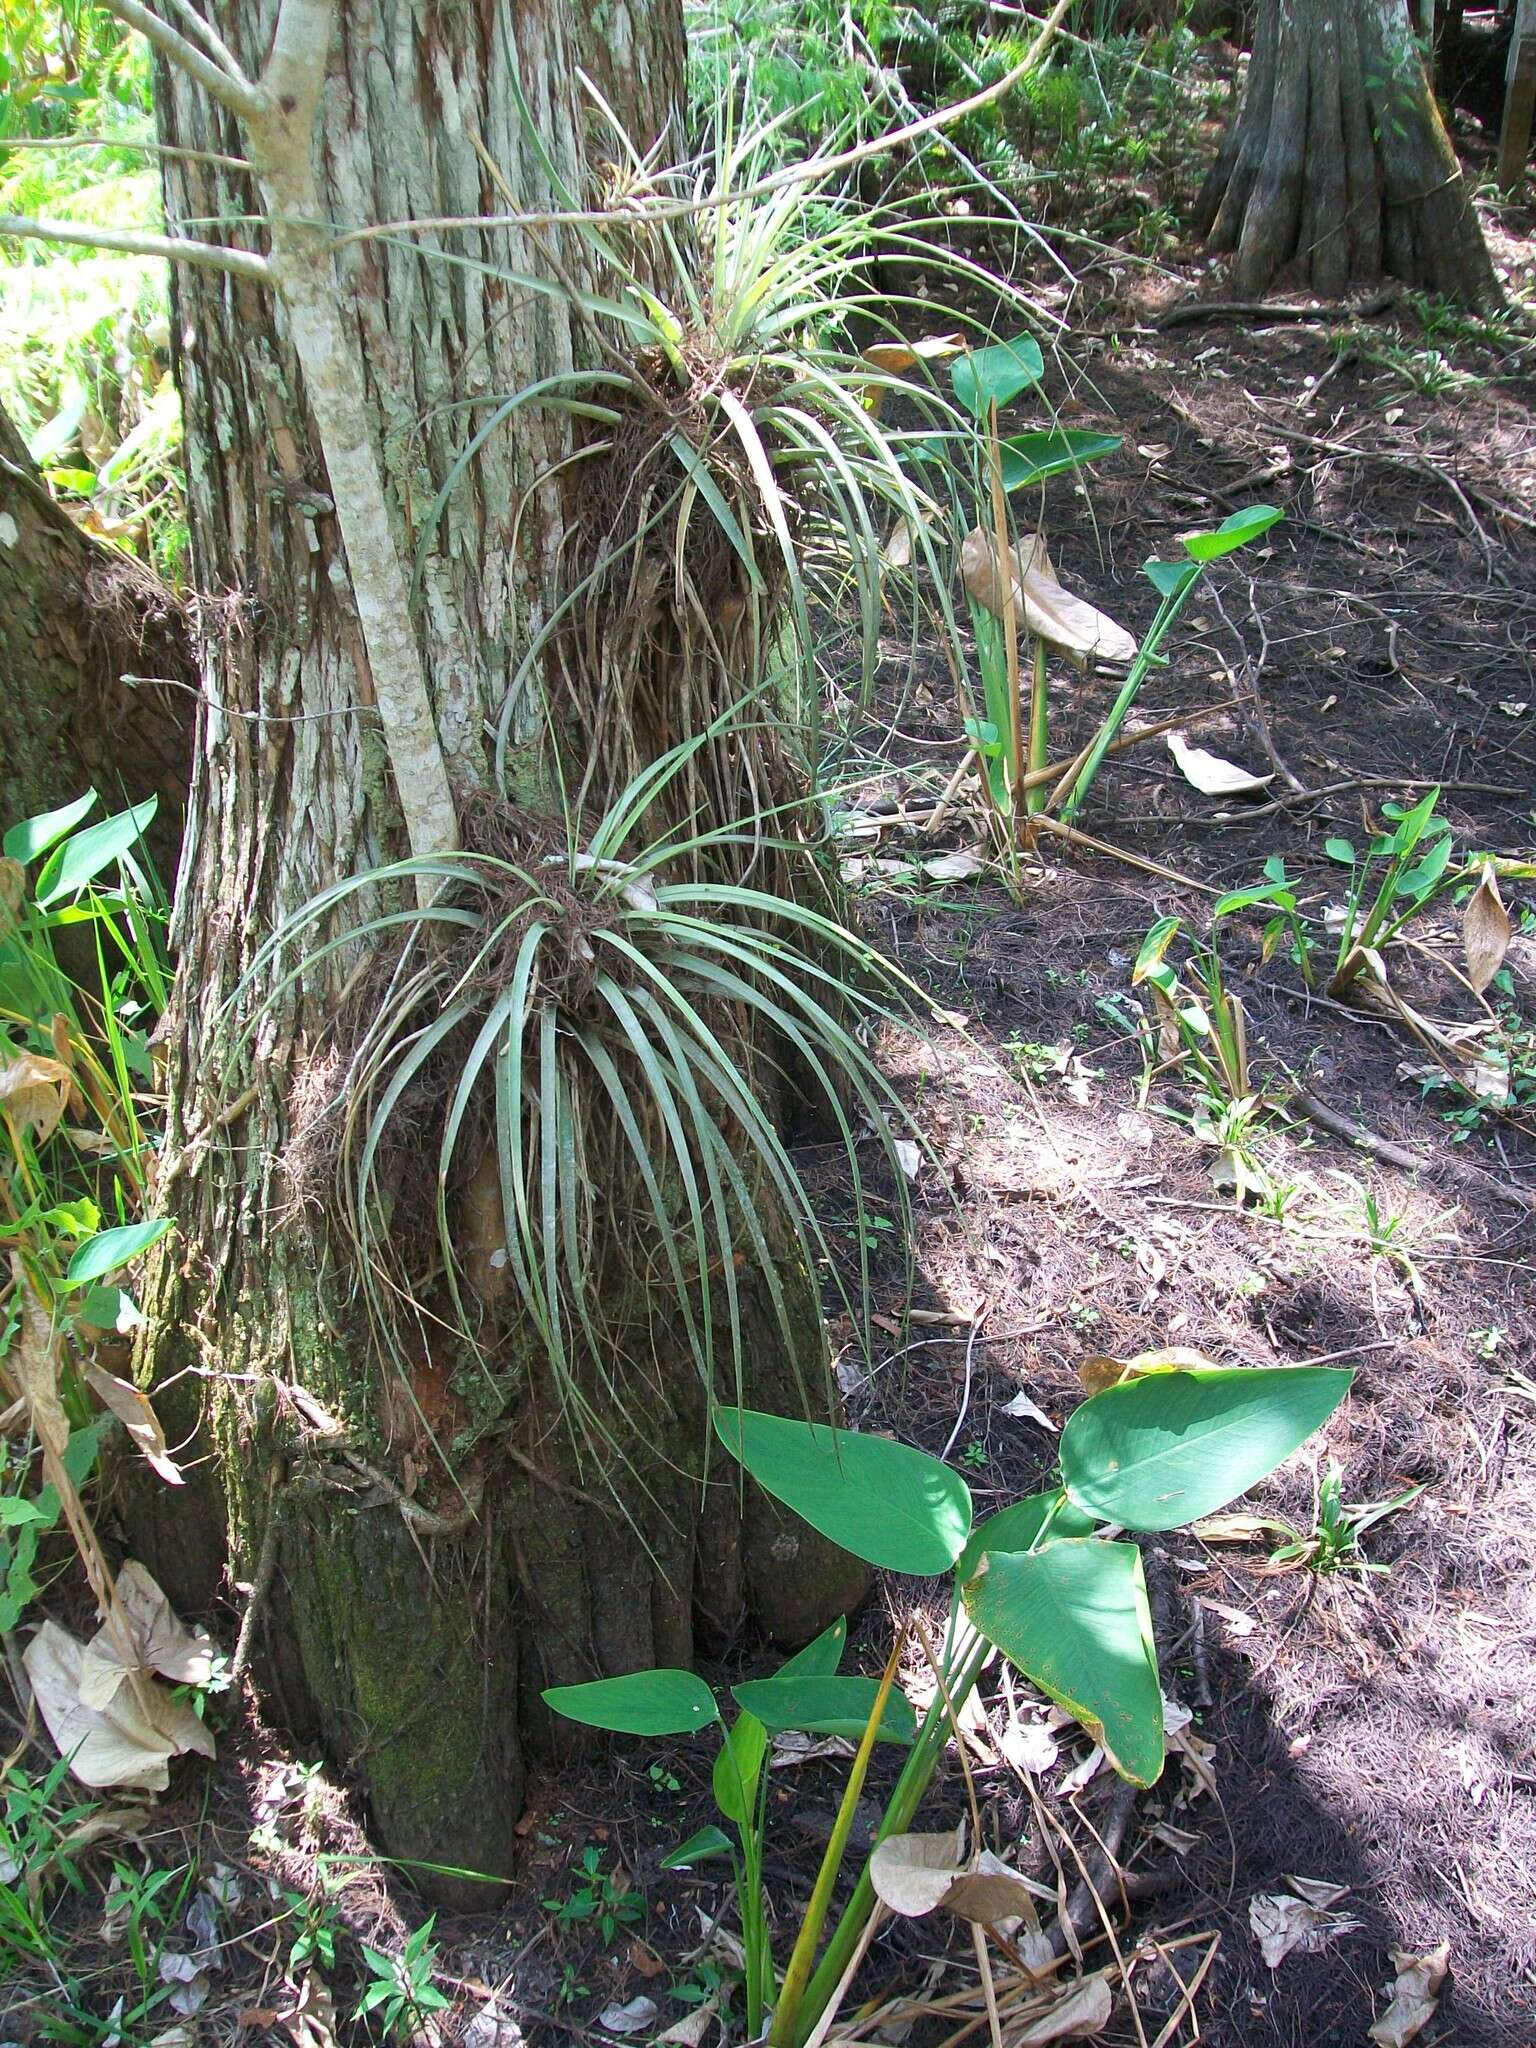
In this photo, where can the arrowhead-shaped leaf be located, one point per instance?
(1073, 1617)
(1234, 532)
(1166, 1448)
(826, 1706)
(1031, 458)
(1017, 1527)
(886, 1502)
(640, 1703)
(706, 1843)
(996, 375)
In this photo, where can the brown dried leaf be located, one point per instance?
(1414, 1996)
(34, 1092)
(1084, 2012)
(1283, 1926)
(129, 1742)
(989, 1891)
(1485, 930)
(916, 1874)
(149, 1629)
(897, 356)
(33, 1360)
(1043, 606)
(132, 1408)
(898, 549)
(1099, 1372)
(13, 888)
(911, 1873)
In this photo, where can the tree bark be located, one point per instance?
(440, 1549)
(75, 618)
(1338, 164)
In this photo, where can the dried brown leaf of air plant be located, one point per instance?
(1485, 930)
(1415, 1995)
(33, 1360)
(34, 1093)
(133, 1410)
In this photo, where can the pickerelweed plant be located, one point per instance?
(1014, 594)
(1047, 1582)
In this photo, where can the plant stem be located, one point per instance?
(904, 1802)
(1016, 767)
(1072, 791)
(798, 1974)
(1039, 733)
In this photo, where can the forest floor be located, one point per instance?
(1363, 1731)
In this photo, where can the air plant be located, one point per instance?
(582, 1025)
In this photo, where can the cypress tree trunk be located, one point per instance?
(429, 1546)
(1338, 161)
(75, 617)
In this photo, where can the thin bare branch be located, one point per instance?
(206, 255)
(211, 40)
(196, 156)
(238, 94)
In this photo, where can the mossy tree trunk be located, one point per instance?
(1338, 163)
(430, 1548)
(75, 618)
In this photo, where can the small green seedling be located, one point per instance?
(1285, 928)
(1390, 882)
(1334, 1544)
(1043, 1581)
(1205, 1025)
(599, 1897)
(400, 1991)
(315, 1917)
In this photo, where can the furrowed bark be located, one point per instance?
(1337, 166)
(75, 618)
(443, 1549)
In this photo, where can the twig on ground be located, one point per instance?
(1341, 1126)
(1188, 311)
(1070, 833)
